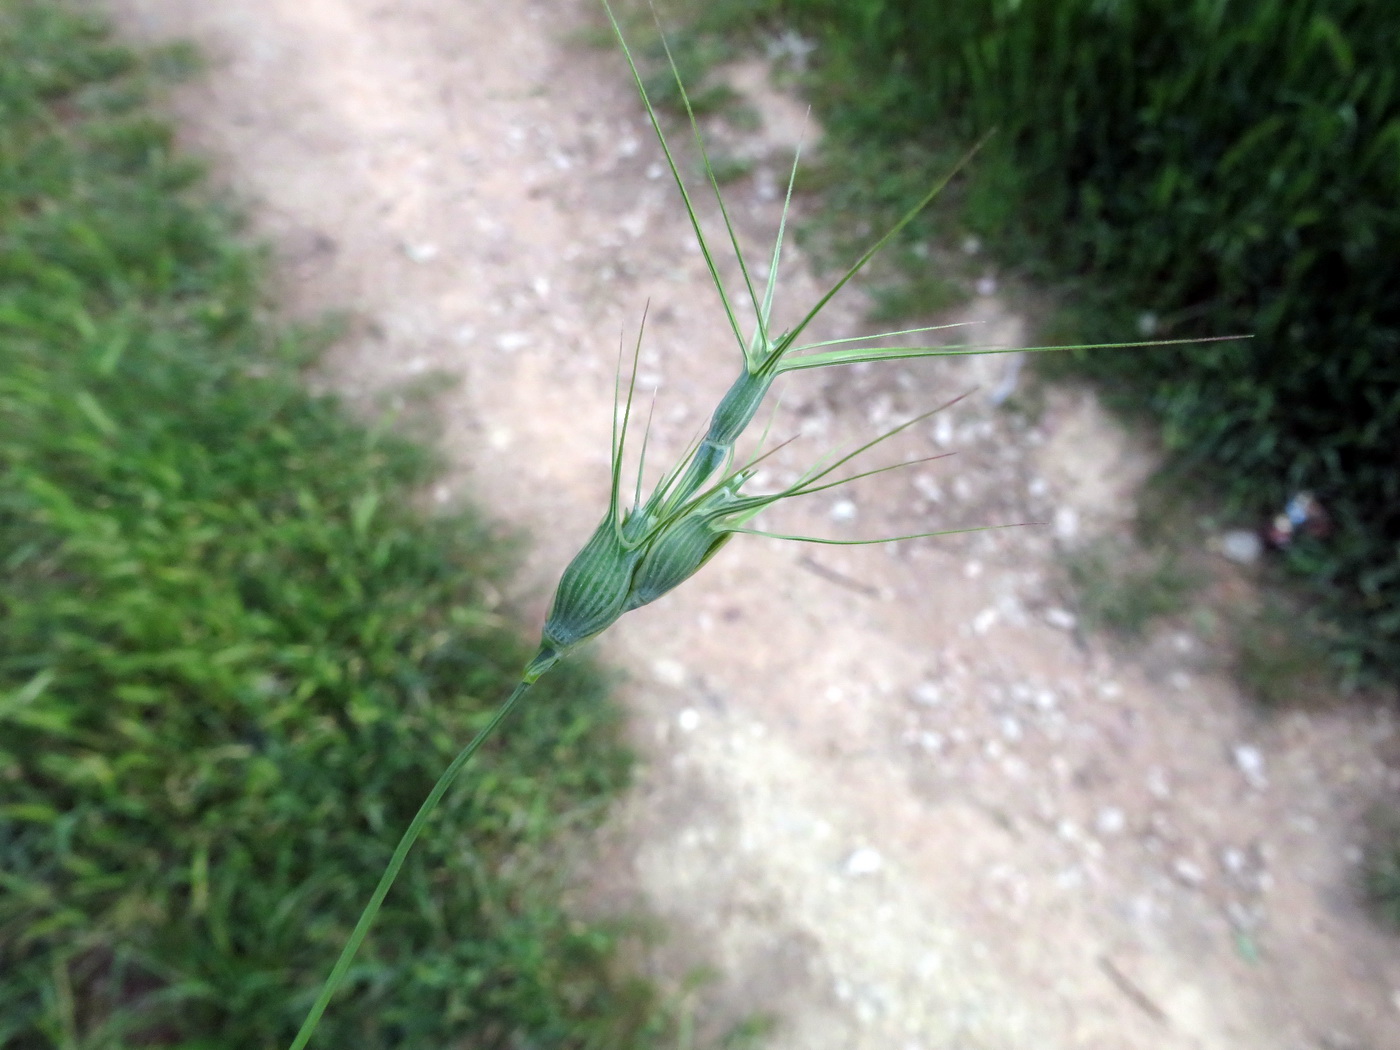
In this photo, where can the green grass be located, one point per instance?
(1281, 653)
(1383, 881)
(1380, 874)
(232, 659)
(1124, 589)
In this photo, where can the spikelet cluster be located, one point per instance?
(640, 553)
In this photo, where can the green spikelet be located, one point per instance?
(682, 546)
(593, 590)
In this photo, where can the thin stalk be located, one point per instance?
(410, 836)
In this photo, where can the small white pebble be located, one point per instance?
(1066, 523)
(972, 570)
(987, 285)
(509, 342)
(1062, 619)
(1157, 785)
(927, 694)
(1110, 821)
(931, 742)
(1188, 872)
(1250, 762)
(1011, 729)
(843, 510)
(765, 187)
(928, 488)
(689, 720)
(1241, 546)
(1071, 878)
(864, 861)
(669, 672)
(943, 431)
(421, 253)
(983, 621)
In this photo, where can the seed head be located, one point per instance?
(593, 590)
(684, 544)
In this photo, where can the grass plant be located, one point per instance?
(643, 548)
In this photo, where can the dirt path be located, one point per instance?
(889, 796)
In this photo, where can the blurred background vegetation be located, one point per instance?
(1179, 168)
(233, 659)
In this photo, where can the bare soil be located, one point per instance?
(890, 795)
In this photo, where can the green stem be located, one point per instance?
(410, 836)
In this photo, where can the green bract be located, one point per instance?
(593, 590)
(683, 545)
